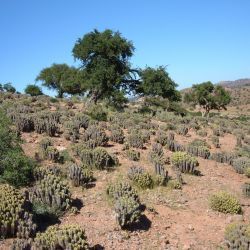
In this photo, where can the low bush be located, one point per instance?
(225, 203)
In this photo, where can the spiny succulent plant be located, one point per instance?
(96, 134)
(98, 158)
(237, 236)
(246, 189)
(21, 244)
(117, 134)
(156, 154)
(225, 203)
(223, 157)
(79, 175)
(71, 131)
(174, 146)
(135, 140)
(15, 218)
(200, 151)
(133, 155)
(161, 137)
(24, 123)
(182, 130)
(216, 141)
(51, 190)
(241, 164)
(184, 162)
(126, 203)
(70, 237)
(140, 177)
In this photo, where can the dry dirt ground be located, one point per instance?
(173, 219)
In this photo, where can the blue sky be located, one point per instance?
(198, 40)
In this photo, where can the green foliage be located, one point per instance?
(140, 177)
(133, 155)
(126, 203)
(174, 184)
(15, 167)
(62, 78)
(237, 236)
(64, 237)
(105, 70)
(9, 88)
(33, 90)
(225, 203)
(208, 96)
(15, 219)
(156, 82)
(198, 148)
(184, 162)
(97, 112)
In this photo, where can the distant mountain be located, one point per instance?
(236, 83)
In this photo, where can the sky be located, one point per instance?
(197, 40)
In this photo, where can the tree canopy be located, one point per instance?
(8, 87)
(156, 82)
(62, 78)
(208, 96)
(33, 90)
(104, 57)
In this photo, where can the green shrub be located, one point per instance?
(174, 184)
(97, 112)
(140, 177)
(135, 140)
(33, 90)
(225, 203)
(247, 172)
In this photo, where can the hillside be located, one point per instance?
(171, 165)
(236, 83)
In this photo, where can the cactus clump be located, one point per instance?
(161, 137)
(241, 164)
(135, 140)
(24, 123)
(237, 236)
(156, 154)
(140, 177)
(52, 154)
(182, 130)
(246, 189)
(98, 158)
(52, 191)
(70, 237)
(216, 141)
(97, 135)
(200, 151)
(184, 162)
(126, 203)
(133, 155)
(79, 175)
(21, 244)
(174, 146)
(15, 219)
(71, 132)
(223, 157)
(225, 203)
(117, 134)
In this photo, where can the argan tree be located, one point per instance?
(156, 82)
(33, 90)
(208, 97)
(105, 67)
(62, 78)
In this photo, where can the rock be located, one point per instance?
(190, 227)
(234, 218)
